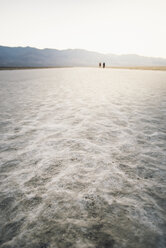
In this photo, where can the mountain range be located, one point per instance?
(33, 57)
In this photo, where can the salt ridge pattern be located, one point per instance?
(82, 158)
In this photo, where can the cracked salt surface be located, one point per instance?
(82, 162)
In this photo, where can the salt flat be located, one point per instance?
(82, 158)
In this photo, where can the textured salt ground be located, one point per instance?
(83, 155)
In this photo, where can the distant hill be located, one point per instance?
(33, 57)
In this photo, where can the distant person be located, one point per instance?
(99, 64)
(104, 65)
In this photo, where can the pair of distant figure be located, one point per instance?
(103, 65)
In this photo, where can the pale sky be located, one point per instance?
(107, 26)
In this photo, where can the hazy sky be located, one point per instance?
(109, 26)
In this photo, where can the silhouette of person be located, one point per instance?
(99, 64)
(104, 65)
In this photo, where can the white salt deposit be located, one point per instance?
(82, 160)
